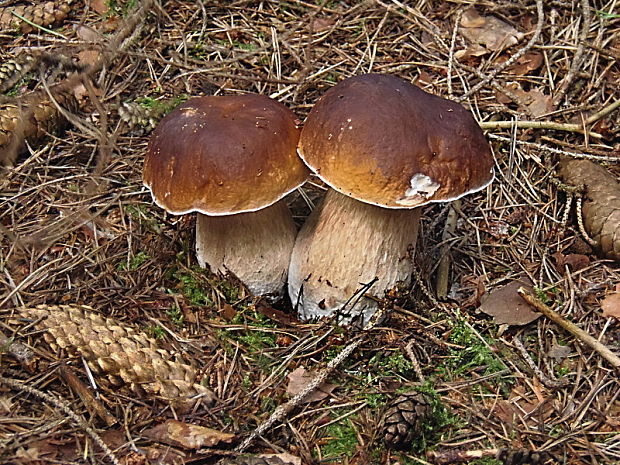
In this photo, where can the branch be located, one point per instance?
(572, 328)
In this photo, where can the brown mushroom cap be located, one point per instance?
(386, 142)
(224, 155)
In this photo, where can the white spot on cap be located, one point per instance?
(422, 187)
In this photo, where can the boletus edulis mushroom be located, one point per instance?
(231, 159)
(386, 148)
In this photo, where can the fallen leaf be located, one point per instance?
(228, 312)
(611, 304)
(472, 51)
(88, 34)
(322, 24)
(280, 459)
(558, 351)
(539, 103)
(574, 261)
(489, 31)
(88, 56)
(299, 379)
(179, 434)
(100, 6)
(528, 62)
(507, 307)
(274, 314)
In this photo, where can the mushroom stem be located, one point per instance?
(255, 246)
(344, 245)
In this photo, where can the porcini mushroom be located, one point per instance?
(231, 159)
(386, 148)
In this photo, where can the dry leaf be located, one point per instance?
(574, 261)
(100, 6)
(472, 51)
(88, 34)
(611, 304)
(299, 379)
(539, 103)
(322, 24)
(506, 306)
(179, 434)
(489, 31)
(88, 56)
(528, 62)
(281, 459)
(558, 352)
(228, 312)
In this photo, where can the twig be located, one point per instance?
(513, 59)
(88, 399)
(282, 411)
(550, 383)
(457, 20)
(546, 148)
(572, 328)
(582, 229)
(578, 58)
(569, 127)
(60, 405)
(443, 269)
(506, 456)
(414, 360)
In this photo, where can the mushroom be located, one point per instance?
(386, 148)
(231, 159)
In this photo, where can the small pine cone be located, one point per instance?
(44, 14)
(135, 114)
(404, 419)
(123, 354)
(12, 71)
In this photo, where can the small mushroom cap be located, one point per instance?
(224, 155)
(386, 142)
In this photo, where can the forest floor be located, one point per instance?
(77, 227)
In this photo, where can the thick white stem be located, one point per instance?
(255, 247)
(345, 244)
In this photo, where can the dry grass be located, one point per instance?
(76, 226)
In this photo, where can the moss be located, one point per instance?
(340, 440)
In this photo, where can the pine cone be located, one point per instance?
(135, 114)
(30, 118)
(44, 15)
(124, 354)
(404, 419)
(12, 71)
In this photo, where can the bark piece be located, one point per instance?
(601, 204)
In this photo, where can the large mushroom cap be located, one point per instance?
(386, 142)
(224, 155)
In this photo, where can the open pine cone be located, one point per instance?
(404, 419)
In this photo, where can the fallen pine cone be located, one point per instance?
(404, 419)
(12, 71)
(44, 14)
(29, 119)
(124, 354)
(601, 204)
